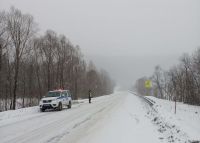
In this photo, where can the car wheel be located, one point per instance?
(60, 107)
(70, 104)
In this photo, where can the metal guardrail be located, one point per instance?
(149, 101)
(146, 99)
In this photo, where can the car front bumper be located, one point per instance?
(48, 106)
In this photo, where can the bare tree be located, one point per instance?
(181, 82)
(140, 86)
(20, 28)
(4, 40)
(158, 79)
(31, 65)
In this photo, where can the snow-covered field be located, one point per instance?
(118, 118)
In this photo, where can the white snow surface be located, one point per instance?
(118, 118)
(186, 119)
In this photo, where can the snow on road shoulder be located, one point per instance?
(30, 125)
(120, 117)
(127, 123)
(180, 127)
(13, 116)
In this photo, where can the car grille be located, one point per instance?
(46, 101)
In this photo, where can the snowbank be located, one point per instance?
(185, 121)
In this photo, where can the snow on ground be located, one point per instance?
(179, 127)
(126, 123)
(12, 116)
(119, 118)
(29, 125)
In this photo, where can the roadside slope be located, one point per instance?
(185, 121)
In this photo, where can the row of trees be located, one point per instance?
(31, 65)
(181, 82)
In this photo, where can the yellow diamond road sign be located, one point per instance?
(148, 84)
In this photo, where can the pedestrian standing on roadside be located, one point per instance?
(89, 95)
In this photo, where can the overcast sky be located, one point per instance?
(127, 38)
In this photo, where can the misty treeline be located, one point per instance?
(32, 64)
(181, 82)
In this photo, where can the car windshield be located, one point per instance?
(53, 94)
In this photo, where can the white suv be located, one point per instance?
(56, 100)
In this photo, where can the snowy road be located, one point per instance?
(117, 118)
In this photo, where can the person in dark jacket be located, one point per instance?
(89, 95)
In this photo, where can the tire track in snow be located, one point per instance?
(55, 130)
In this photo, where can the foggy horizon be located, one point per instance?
(126, 38)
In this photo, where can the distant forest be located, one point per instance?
(32, 64)
(180, 83)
